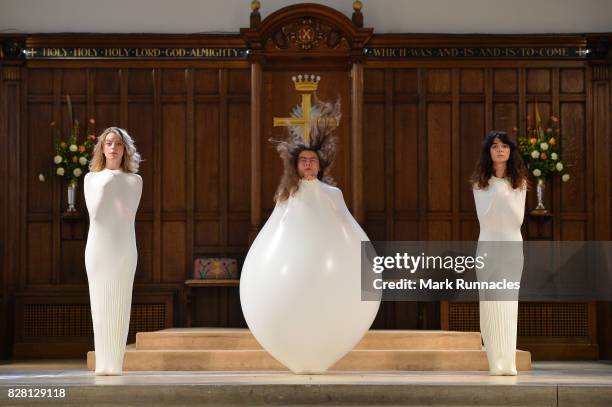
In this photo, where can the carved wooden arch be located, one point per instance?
(339, 44)
(306, 30)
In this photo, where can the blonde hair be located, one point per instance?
(130, 160)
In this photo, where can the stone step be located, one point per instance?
(242, 339)
(260, 360)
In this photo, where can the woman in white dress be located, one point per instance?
(112, 195)
(500, 187)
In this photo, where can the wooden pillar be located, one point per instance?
(357, 141)
(602, 112)
(600, 100)
(11, 207)
(256, 213)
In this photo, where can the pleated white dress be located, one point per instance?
(112, 198)
(500, 210)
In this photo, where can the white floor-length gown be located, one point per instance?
(300, 287)
(500, 210)
(112, 198)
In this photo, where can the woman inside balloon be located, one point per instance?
(300, 286)
(112, 194)
(500, 186)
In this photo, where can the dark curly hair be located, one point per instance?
(515, 167)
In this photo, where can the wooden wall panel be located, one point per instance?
(539, 81)
(472, 128)
(239, 157)
(406, 174)
(505, 81)
(144, 244)
(173, 252)
(207, 158)
(39, 251)
(107, 114)
(39, 116)
(374, 144)
(472, 81)
(439, 153)
(106, 82)
(140, 127)
(174, 161)
(573, 122)
(72, 269)
(505, 116)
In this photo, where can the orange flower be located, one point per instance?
(549, 130)
(82, 148)
(74, 159)
(533, 140)
(552, 141)
(91, 137)
(543, 156)
(63, 144)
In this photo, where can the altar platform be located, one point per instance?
(547, 384)
(226, 349)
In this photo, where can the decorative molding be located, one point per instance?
(199, 53)
(306, 34)
(11, 73)
(601, 72)
(306, 30)
(11, 48)
(404, 53)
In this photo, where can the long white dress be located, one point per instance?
(112, 198)
(500, 210)
(301, 287)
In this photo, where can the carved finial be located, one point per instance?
(357, 16)
(255, 16)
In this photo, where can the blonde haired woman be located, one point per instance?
(112, 194)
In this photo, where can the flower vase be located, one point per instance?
(71, 198)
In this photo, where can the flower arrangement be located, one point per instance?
(71, 159)
(541, 148)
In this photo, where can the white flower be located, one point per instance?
(554, 156)
(565, 177)
(535, 154)
(537, 172)
(41, 178)
(77, 172)
(544, 146)
(73, 147)
(57, 159)
(60, 171)
(559, 166)
(83, 160)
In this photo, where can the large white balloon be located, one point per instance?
(300, 287)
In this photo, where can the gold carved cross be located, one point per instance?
(303, 121)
